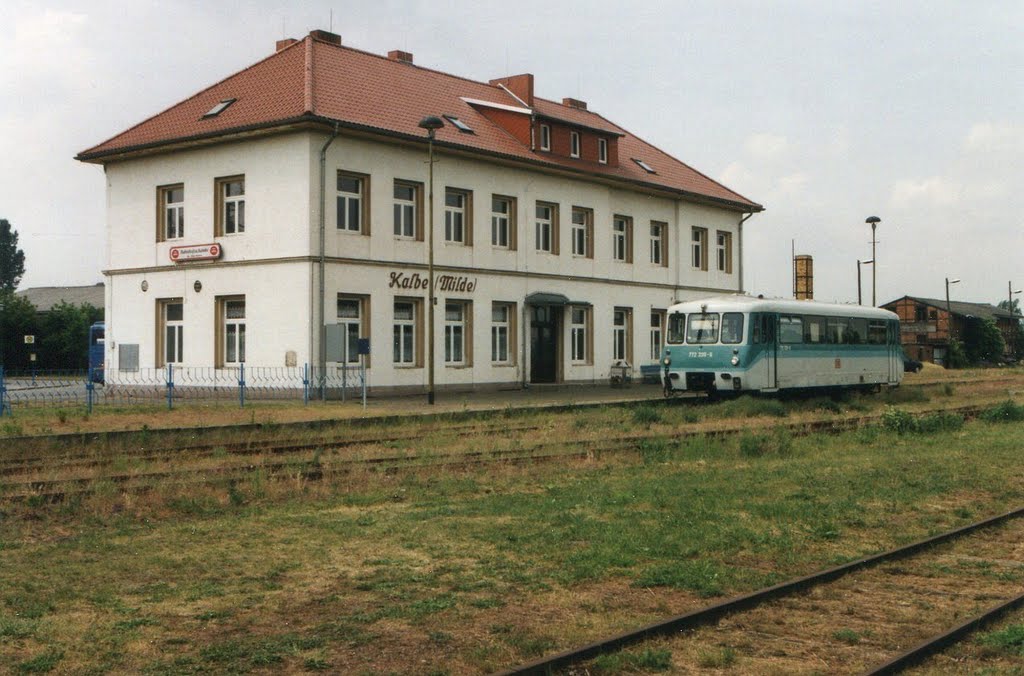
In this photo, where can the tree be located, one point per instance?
(1013, 307)
(64, 336)
(983, 341)
(17, 320)
(12, 259)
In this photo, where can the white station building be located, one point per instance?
(282, 214)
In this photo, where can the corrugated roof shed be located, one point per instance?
(45, 298)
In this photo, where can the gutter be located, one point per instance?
(320, 327)
(742, 207)
(739, 248)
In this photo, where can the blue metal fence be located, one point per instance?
(173, 384)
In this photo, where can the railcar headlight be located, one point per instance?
(667, 361)
(735, 361)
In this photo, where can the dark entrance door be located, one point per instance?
(544, 344)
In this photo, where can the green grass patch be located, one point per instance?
(1008, 641)
(643, 660)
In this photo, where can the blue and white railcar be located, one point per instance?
(744, 344)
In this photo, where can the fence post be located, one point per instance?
(170, 386)
(305, 384)
(241, 384)
(3, 393)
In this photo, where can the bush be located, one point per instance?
(1004, 412)
(898, 421)
(940, 422)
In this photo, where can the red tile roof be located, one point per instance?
(316, 81)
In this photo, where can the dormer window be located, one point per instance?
(574, 144)
(459, 124)
(219, 108)
(643, 165)
(545, 137)
(602, 150)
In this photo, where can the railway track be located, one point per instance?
(325, 459)
(877, 615)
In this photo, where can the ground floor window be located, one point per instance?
(503, 316)
(457, 321)
(622, 319)
(657, 328)
(579, 334)
(170, 331)
(353, 318)
(407, 325)
(231, 329)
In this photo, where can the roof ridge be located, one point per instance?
(193, 96)
(412, 65)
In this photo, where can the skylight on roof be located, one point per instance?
(646, 167)
(219, 108)
(459, 124)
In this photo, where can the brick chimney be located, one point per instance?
(399, 55)
(574, 103)
(284, 44)
(326, 36)
(520, 85)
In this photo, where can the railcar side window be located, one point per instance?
(876, 332)
(676, 328)
(791, 329)
(858, 330)
(732, 328)
(814, 330)
(838, 330)
(702, 329)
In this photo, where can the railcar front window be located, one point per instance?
(702, 329)
(732, 328)
(676, 328)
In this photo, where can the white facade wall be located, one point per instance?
(274, 263)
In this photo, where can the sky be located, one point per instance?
(824, 112)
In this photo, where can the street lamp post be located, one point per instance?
(873, 221)
(431, 123)
(1011, 292)
(949, 311)
(860, 263)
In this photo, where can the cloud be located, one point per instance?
(934, 191)
(988, 137)
(767, 146)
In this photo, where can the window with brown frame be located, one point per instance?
(503, 334)
(229, 210)
(724, 251)
(407, 332)
(170, 331)
(503, 222)
(458, 216)
(622, 239)
(353, 202)
(170, 212)
(583, 232)
(699, 248)
(408, 210)
(659, 243)
(546, 227)
(230, 331)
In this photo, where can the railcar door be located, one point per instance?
(764, 334)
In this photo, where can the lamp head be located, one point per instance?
(952, 281)
(873, 220)
(431, 123)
